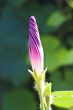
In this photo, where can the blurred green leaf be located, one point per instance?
(65, 56)
(17, 2)
(70, 3)
(70, 41)
(59, 81)
(56, 19)
(63, 99)
(55, 54)
(69, 75)
(19, 100)
(50, 42)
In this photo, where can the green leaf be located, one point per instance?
(59, 82)
(56, 19)
(63, 99)
(19, 100)
(70, 3)
(55, 54)
(69, 75)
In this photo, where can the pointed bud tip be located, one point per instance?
(32, 18)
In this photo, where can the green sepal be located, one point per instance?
(41, 77)
(35, 75)
(38, 77)
(47, 91)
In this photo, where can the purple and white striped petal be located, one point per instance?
(35, 47)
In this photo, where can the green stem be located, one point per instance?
(41, 97)
(42, 102)
(44, 90)
(48, 98)
(48, 104)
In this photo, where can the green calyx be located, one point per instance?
(47, 94)
(43, 88)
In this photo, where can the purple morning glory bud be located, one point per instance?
(35, 47)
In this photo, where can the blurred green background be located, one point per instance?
(55, 21)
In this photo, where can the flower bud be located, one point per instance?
(35, 47)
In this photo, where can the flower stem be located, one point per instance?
(41, 100)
